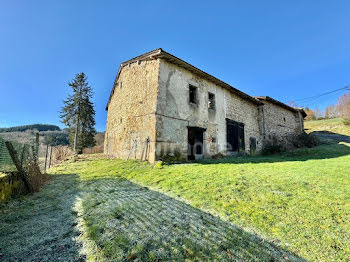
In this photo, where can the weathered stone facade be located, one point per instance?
(151, 114)
(280, 121)
(176, 113)
(131, 111)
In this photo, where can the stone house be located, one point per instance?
(162, 106)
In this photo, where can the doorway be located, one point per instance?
(195, 143)
(235, 136)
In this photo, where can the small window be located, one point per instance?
(121, 85)
(211, 101)
(193, 94)
(284, 119)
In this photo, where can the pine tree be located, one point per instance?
(78, 114)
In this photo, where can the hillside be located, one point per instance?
(335, 125)
(28, 136)
(38, 127)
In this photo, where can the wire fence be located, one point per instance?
(20, 163)
(23, 152)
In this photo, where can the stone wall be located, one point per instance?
(175, 112)
(131, 111)
(151, 100)
(280, 122)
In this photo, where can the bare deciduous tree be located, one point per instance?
(310, 114)
(343, 106)
(318, 113)
(331, 111)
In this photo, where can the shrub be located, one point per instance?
(305, 140)
(346, 121)
(158, 164)
(271, 148)
(61, 153)
(218, 156)
(93, 150)
(36, 178)
(275, 146)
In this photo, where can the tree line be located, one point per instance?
(38, 127)
(340, 109)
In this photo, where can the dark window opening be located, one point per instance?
(284, 119)
(195, 142)
(211, 101)
(193, 94)
(235, 136)
(121, 85)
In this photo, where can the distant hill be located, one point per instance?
(39, 127)
(48, 134)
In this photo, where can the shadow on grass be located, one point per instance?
(130, 222)
(331, 135)
(325, 151)
(41, 227)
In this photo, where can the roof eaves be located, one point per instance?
(279, 103)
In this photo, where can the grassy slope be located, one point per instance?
(335, 125)
(298, 202)
(78, 215)
(41, 227)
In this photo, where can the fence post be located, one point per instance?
(34, 154)
(50, 156)
(20, 169)
(47, 149)
(37, 145)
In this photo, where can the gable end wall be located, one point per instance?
(131, 112)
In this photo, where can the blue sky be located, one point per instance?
(288, 50)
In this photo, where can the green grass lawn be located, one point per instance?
(335, 125)
(299, 201)
(295, 206)
(41, 227)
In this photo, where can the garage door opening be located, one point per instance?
(235, 136)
